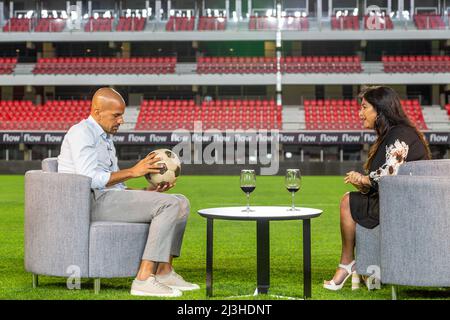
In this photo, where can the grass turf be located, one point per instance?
(234, 245)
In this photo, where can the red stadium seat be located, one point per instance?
(220, 114)
(104, 65)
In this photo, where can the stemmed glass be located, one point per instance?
(248, 184)
(293, 184)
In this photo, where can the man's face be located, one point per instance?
(111, 117)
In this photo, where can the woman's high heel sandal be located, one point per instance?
(347, 267)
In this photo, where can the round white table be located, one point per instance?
(262, 215)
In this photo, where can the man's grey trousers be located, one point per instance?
(166, 213)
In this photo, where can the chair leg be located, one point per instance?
(394, 290)
(97, 285)
(35, 280)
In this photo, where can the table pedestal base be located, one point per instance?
(263, 258)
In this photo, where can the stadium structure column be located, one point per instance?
(401, 7)
(158, 10)
(11, 9)
(319, 14)
(278, 53)
(330, 8)
(90, 8)
(249, 8)
(147, 7)
(2, 12)
(227, 8)
(411, 10)
(238, 9)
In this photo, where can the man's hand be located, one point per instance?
(161, 187)
(146, 165)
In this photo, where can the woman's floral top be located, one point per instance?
(395, 156)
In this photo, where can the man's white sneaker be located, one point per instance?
(153, 288)
(175, 281)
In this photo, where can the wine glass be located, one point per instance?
(293, 183)
(248, 184)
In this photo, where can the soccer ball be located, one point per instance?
(171, 170)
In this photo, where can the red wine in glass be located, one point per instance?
(293, 183)
(248, 185)
(248, 189)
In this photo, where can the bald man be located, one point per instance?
(88, 149)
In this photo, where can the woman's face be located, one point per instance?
(367, 114)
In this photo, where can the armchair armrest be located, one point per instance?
(57, 220)
(414, 225)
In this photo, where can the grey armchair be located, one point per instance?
(59, 233)
(412, 243)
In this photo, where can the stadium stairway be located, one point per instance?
(130, 118)
(436, 118)
(293, 118)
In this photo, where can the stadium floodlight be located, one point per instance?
(288, 155)
(172, 13)
(86, 16)
(19, 16)
(96, 15)
(44, 14)
(297, 14)
(304, 14)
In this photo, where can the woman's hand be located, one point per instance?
(358, 180)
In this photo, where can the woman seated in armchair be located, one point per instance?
(398, 141)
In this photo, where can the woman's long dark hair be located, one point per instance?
(390, 113)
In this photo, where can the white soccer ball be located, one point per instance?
(171, 170)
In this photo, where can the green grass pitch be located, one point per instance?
(234, 245)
